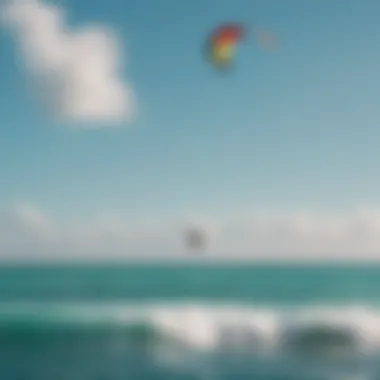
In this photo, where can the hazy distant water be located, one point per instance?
(190, 322)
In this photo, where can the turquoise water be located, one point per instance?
(189, 322)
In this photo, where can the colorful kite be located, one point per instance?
(222, 44)
(223, 41)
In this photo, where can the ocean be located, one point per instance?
(184, 322)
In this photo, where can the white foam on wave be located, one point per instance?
(208, 326)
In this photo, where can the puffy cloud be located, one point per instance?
(77, 71)
(28, 232)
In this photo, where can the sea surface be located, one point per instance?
(173, 322)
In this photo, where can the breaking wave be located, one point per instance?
(205, 326)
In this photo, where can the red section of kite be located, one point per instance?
(227, 34)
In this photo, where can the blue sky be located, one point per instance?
(298, 128)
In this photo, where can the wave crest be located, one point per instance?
(208, 328)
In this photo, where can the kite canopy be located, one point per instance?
(222, 44)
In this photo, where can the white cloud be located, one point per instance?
(77, 71)
(28, 232)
